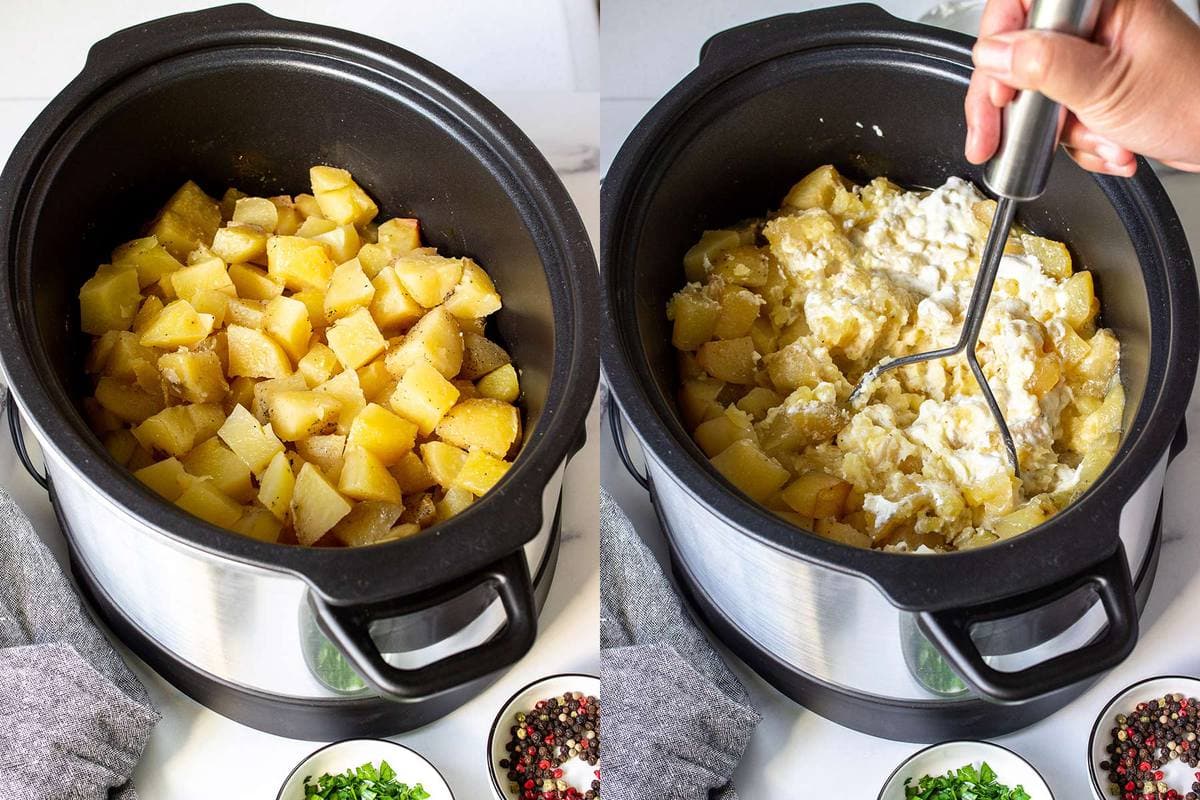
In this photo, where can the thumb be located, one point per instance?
(1067, 69)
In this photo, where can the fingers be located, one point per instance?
(1080, 139)
(1067, 69)
(1093, 163)
(1001, 16)
(983, 122)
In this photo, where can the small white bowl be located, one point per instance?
(1174, 773)
(410, 766)
(576, 772)
(1011, 770)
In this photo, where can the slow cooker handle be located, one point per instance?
(349, 627)
(127, 47)
(950, 631)
(18, 439)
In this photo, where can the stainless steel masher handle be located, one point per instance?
(1021, 166)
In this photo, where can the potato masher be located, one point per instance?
(1017, 172)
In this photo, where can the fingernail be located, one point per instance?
(1111, 153)
(993, 55)
(1125, 169)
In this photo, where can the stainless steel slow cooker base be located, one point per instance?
(907, 720)
(314, 719)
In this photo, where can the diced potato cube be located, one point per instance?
(252, 443)
(746, 265)
(500, 384)
(1098, 368)
(314, 301)
(208, 273)
(355, 339)
(316, 505)
(716, 434)
(698, 400)
(327, 452)
(300, 414)
(729, 360)
(340, 198)
(364, 477)
(1053, 256)
(166, 478)
(758, 401)
(265, 390)
(750, 469)
(392, 306)
(313, 227)
(253, 283)
(237, 243)
(148, 257)
(386, 435)
(411, 475)
(189, 218)
(257, 211)
(276, 487)
(318, 365)
(342, 242)
(453, 502)
(476, 326)
(400, 235)
(177, 325)
(299, 263)
(258, 523)
(109, 301)
(695, 317)
(345, 387)
(349, 289)
(229, 202)
(444, 461)
(1079, 303)
(480, 472)
(375, 380)
(484, 423)
(367, 523)
(307, 206)
(428, 279)
(817, 189)
(817, 494)
(698, 259)
(475, 296)
(126, 402)
(841, 532)
(247, 313)
(203, 499)
(423, 396)
(207, 417)
(146, 314)
(1028, 516)
(289, 217)
(196, 376)
(213, 460)
(121, 445)
(170, 431)
(287, 321)
(481, 356)
(435, 339)
(739, 309)
(255, 355)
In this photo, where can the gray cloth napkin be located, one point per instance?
(73, 718)
(676, 720)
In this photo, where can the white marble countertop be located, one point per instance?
(42, 45)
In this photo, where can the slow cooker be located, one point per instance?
(908, 647)
(310, 643)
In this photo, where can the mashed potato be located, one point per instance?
(782, 316)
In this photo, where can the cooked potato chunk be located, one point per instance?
(177, 325)
(444, 461)
(316, 505)
(299, 263)
(400, 235)
(475, 296)
(435, 339)
(254, 444)
(364, 477)
(480, 356)
(480, 472)
(204, 500)
(253, 354)
(286, 319)
(109, 301)
(386, 435)
(750, 469)
(368, 522)
(327, 452)
(817, 494)
(298, 415)
(276, 487)
(488, 424)
(167, 478)
(349, 289)
(340, 198)
(411, 475)
(195, 376)
(500, 384)
(423, 396)
(253, 283)
(189, 218)
(391, 305)
(355, 339)
(428, 279)
(213, 460)
(148, 257)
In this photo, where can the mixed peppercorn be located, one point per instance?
(1156, 732)
(547, 736)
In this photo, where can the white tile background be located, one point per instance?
(538, 60)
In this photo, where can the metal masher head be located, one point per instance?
(989, 265)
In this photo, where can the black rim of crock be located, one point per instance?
(974, 743)
(322, 749)
(910, 583)
(496, 721)
(1093, 766)
(512, 511)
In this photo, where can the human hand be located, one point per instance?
(1134, 88)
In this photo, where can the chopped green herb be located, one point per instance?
(364, 783)
(965, 783)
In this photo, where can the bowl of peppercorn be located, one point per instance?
(545, 742)
(1145, 744)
